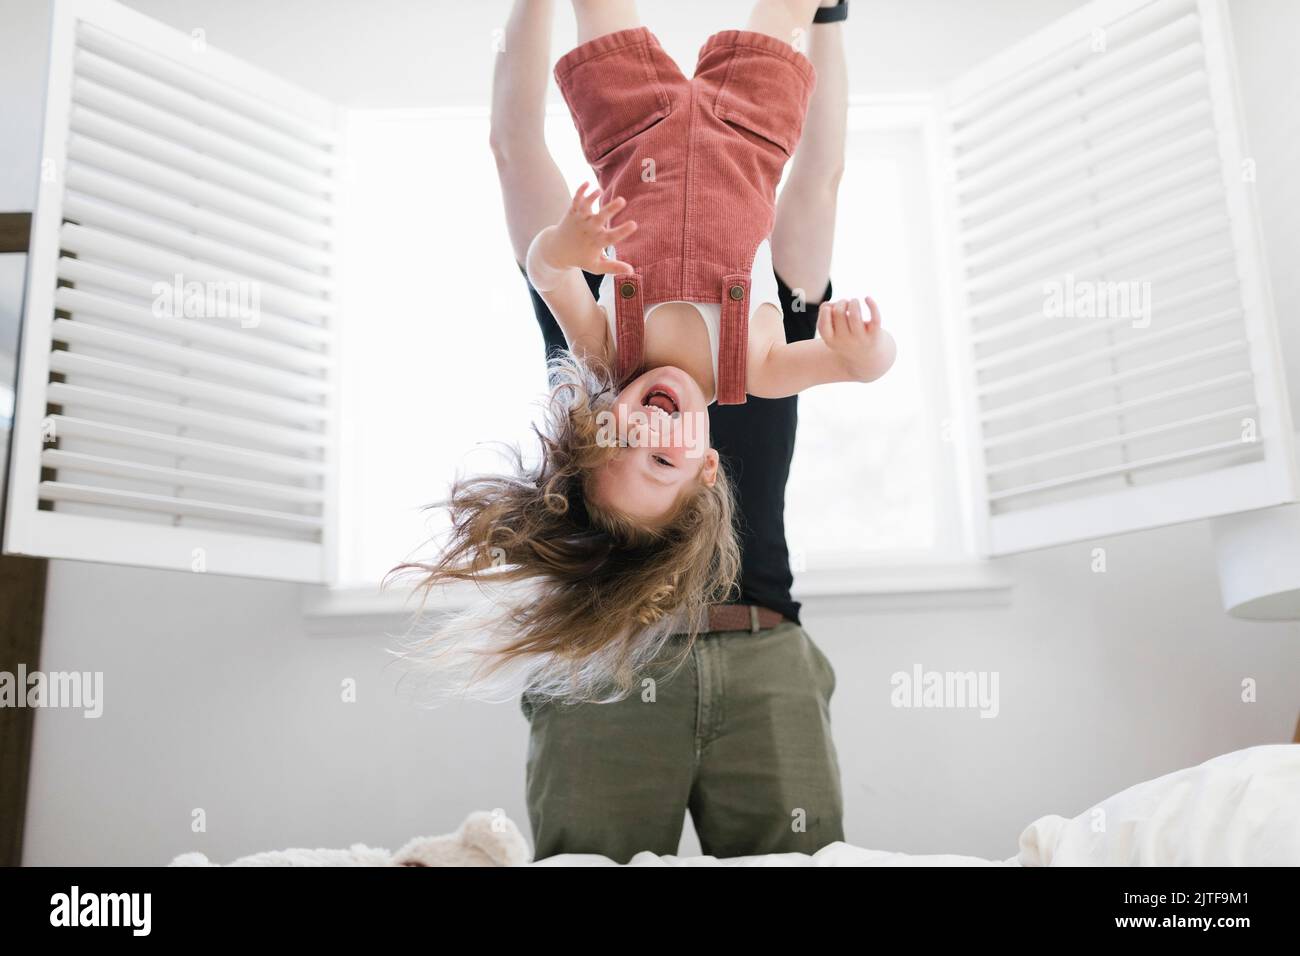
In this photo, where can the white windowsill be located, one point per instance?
(912, 585)
(878, 587)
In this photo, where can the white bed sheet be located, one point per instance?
(837, 854)
(1239, 809)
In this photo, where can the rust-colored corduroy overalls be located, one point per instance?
(698, 161)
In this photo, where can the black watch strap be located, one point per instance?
(834, 14)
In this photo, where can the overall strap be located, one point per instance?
(733, 341)
(629, 313)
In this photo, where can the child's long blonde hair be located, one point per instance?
(576, 600)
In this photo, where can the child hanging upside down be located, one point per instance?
(688, 311)
(622, 535)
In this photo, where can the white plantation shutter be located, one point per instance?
(190, 430)
(1103, 158)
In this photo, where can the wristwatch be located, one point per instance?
(835, 14)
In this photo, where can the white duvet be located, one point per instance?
(1241, 809)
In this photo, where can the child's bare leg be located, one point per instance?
(533, 190)
(598, 17)
(804, 233)
(781, 18)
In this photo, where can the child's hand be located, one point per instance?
(866, 350)
(578, 240)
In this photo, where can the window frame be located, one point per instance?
(955, 543)
(951, 575)
(34, 531)
(1225, 490)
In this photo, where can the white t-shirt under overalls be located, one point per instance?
(762, 289)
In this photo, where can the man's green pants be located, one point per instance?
(739, 734)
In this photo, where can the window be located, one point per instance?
(1102, 154)
(443, 356)
(1119, 335)
(176, 379)
(873, 474)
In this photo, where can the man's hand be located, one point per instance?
(578, 241)
(865, 349)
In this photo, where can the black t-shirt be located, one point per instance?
(756, 443)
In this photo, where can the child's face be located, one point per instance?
(663, 425)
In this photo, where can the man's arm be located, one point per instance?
(804, 232)
(533, 190)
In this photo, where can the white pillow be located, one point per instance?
(1240, 809)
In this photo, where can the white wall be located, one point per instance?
(1105, 680)
(23, 40)
(1265, 32)
(22, 70)
(408, 53)
(216, 698)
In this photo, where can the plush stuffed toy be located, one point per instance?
(484, 839)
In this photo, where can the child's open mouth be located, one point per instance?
(663, 398)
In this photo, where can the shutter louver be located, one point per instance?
(1120, 347)
(177, 387)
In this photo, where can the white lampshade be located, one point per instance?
(1258, 554)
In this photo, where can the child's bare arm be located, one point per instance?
(555, 262)
(847, 349)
